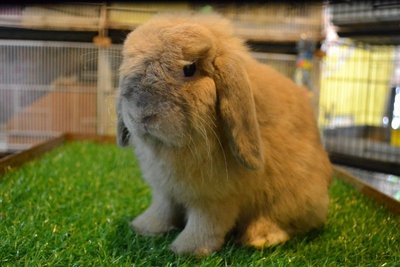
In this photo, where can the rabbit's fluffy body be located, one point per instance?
(235, 147)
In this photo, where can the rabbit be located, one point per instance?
(227, 144)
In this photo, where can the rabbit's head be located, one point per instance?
(184, 75)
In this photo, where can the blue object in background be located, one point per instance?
(304, 63)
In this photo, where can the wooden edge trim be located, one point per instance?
(108, 139)
(390, 203)
(12, 161)
(15, 160)
(365, 163)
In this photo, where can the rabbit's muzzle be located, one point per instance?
(149, 113)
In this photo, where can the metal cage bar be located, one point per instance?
(52, 87)
(356, 86)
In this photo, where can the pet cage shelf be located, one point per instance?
(363, 153)
(82, 16)
(375, 21)
(273, 22)
(363, 148)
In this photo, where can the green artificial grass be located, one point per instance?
(72, 207)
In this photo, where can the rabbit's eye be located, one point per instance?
(189, 70)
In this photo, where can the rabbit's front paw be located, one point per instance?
(150, 225)
(196, 245)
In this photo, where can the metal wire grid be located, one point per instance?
(52, 87)
(355, 12)
(356, 83)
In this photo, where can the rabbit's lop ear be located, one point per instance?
(122, 131)
(237, 111)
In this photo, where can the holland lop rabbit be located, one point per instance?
(226, 143)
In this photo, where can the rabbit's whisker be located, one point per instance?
(221, 147)
(195, 155)
(204, 122)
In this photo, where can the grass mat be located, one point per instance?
(72, 208)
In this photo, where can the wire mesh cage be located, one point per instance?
(357, 108)
(363, 12)
(371, 21)
(52, 87)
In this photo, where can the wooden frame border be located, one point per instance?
(390, 203)
(365, 163)
(13, 161)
